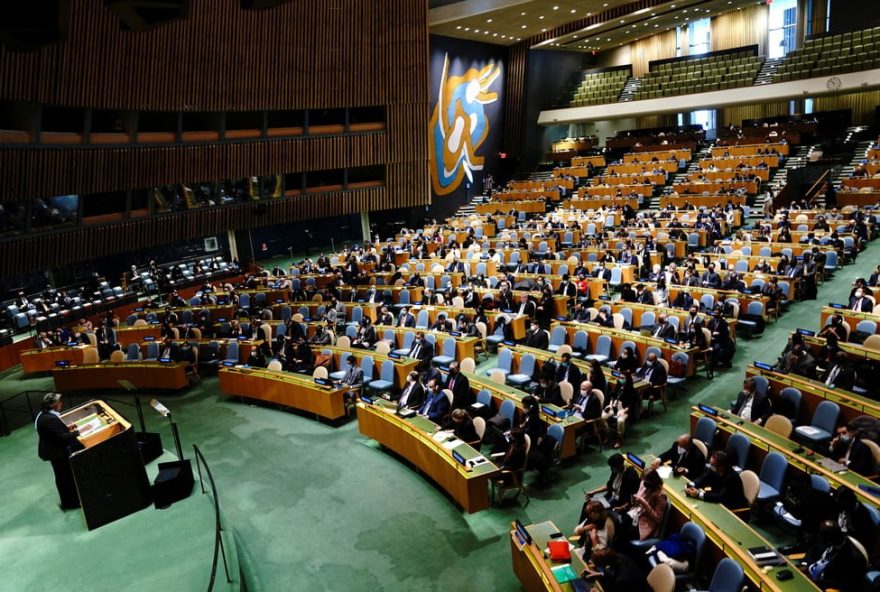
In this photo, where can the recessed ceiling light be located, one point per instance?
(494, 34)
(543, 30)
(555, 8)
(573, 10)
(655, 26)
(522, 14)
(467, 28)
(541, 18)
(524, 26)
(575, 37)
(622, 21)
(488, 20)
(476, 30)
(608, 39)
(485, 32)
(458, 27)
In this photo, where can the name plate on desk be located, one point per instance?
(324, 382)
(394, 356)
(62, 363)
(708, 410)
(763, 366)
(522, 532)
(548, 411)
(837, 306)
(366, 399)
(806, 332)
(459, 458)
(229, 364)
(455, 333)
(149, 338)
(166, 360)
(634, 459)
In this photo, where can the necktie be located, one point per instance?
(451, 383)
(405, 396)
(657, 330)
(833, 375)
(416, 349)
(858, 305)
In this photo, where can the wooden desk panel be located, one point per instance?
(464, 346)
(764, 441)
(284, 388)
(43, 360)
(106, 376)
(411, 439)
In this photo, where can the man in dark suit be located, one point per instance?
(548, 391)
(848, 449)
(458, 383)
(654, 373)
(455, 266)
(643, 295)
(169, 350)
(710, 279)
(750, 404)
(860, 303)
(683, 300)
(57, 441)
(601, 272)
(537, 337)
(406, 318)
(413, 394)
(567, 287)
(385, 317)
(840, 375)
(442, 324)
(721, 485)
(662, 329)
(684, 457)
(526, 306)
(585, 403)
(422, 350)
(566, 371)
(436, 406)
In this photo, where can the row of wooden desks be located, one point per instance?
(45, 360)
(298, 391)
(108, 376)
(503, 392)
(618, 336)
(850, 317)
(726, 534)
(814, 392)
(764, 441)
(413, 440)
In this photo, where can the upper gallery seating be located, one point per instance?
(706, 73)
(832, 54)
(597, 88)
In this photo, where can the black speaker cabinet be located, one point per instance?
(110, 476)
(173, 483)
(150, 445)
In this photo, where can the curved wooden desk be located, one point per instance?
(284, 388)
(143, 375)
(412, 439)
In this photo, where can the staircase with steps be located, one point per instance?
(629, 89)
(765, 76)
(703, 151)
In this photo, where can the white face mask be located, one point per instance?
(681, 450)
(584, 393)
(859, 293)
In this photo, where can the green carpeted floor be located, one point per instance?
(316, 507)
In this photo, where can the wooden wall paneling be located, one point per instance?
(514, 96)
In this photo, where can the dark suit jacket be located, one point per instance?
(462, 398)
(442, 326)
(436, 407)
(692, 460)
(407, 320)
(861, 460)
(571, 374)
(629, 486)
(646, 297)
(667, 331)
(864, 306)
(845, 379)
(683, 300)
(56, 441)
(539, 339)
(416, 397)
(658, 374)
(592, 410)
(552, 394)
(427, 351)
(760, 406)
(528, 310)
(726, 489)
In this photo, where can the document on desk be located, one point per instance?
(453, 443)
(442, 435)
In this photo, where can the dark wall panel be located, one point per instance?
(301, 54)
(60, 171)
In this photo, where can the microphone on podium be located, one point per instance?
(160, 408)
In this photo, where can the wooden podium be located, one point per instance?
(110, 476)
